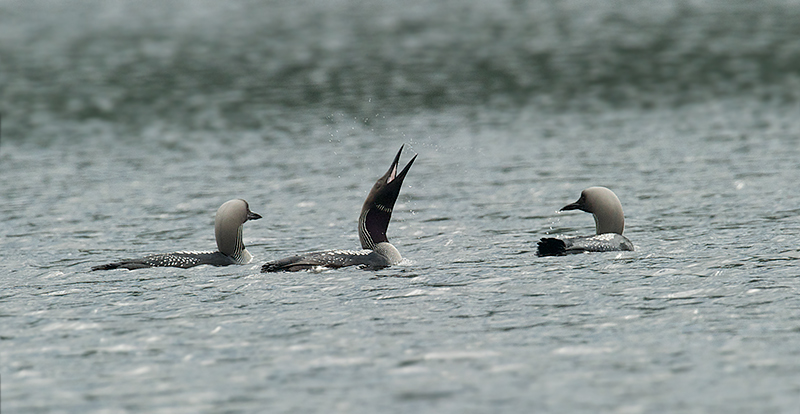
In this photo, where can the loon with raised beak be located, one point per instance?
(609, 222)
(231, 250)
(377, 252)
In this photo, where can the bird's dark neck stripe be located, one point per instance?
(372, 227)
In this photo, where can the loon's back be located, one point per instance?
(183, 260)
(607, 242)
(332, 259)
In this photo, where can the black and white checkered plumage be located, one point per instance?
(608, 242)
(331, 259)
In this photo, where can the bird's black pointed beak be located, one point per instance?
(573, 206)
(252, 216)
(578, 205)
(392, 175)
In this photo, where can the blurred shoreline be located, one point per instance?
(240, 65)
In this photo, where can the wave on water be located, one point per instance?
(206, 64)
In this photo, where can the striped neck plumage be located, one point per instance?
(377, 209)
(363, 234)
(240, 253)
(373, 223)
(228, 229)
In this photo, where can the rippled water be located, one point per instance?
(703, 317)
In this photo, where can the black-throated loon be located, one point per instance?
(372, 224)
(231, 250)
(609, 223)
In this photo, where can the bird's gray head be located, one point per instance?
(228, 227)
(377, 209)
(604, 206)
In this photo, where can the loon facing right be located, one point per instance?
(230, 248)
(372, 224)
(609, 222)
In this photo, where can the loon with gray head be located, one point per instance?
(231, 250)
(609, 222)
(377, 252)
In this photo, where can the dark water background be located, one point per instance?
(126, 124)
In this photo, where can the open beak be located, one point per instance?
(392, 173)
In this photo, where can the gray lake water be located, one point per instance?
(125, 126)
